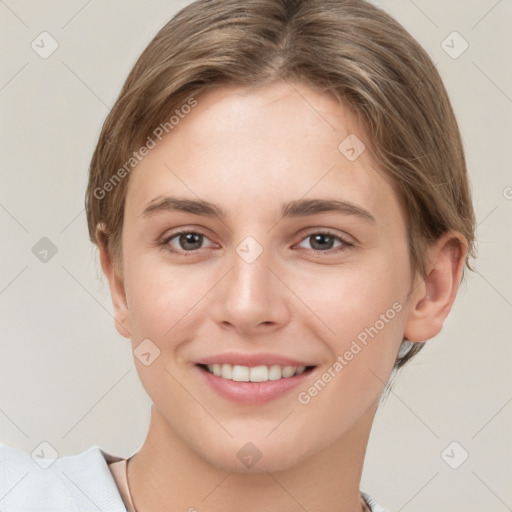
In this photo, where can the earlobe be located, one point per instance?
(433, 297)
(116, 285)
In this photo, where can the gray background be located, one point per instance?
(68, 378)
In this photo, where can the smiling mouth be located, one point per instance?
(262, 373)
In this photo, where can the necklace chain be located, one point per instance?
(128, 485)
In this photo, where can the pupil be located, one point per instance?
(319, 238)
(190, 240)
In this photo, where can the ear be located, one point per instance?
(433, 296)
(116, 284)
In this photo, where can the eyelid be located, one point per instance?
(345, 238)
(346, 242)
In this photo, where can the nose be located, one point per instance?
(251, 298)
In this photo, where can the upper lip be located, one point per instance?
(258, 359)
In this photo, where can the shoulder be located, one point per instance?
(372, 503)
(74, 483)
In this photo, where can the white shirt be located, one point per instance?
(75, 483)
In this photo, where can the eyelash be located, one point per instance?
(345, 244)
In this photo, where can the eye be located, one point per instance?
(184, 241)
(323, 241)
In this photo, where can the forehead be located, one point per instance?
(242, 147)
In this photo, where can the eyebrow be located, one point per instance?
(298, 208)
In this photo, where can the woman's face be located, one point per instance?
(268, 272)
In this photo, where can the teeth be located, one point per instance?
(274, 372)
(254, 373)
(258, 374)
(288, 371)
(240, 373)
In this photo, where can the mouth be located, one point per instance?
(261, 373)
(254, 378)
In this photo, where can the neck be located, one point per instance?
(166, 474)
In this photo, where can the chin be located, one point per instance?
(265, 465)
(254, 458)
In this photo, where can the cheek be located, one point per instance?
(165, 308)
(162, 296)
(349, 300)
(367, 321)
(363, 311)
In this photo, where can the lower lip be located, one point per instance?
(252, 392)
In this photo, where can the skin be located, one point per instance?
(249, 152)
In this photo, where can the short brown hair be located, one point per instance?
(348, 48)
